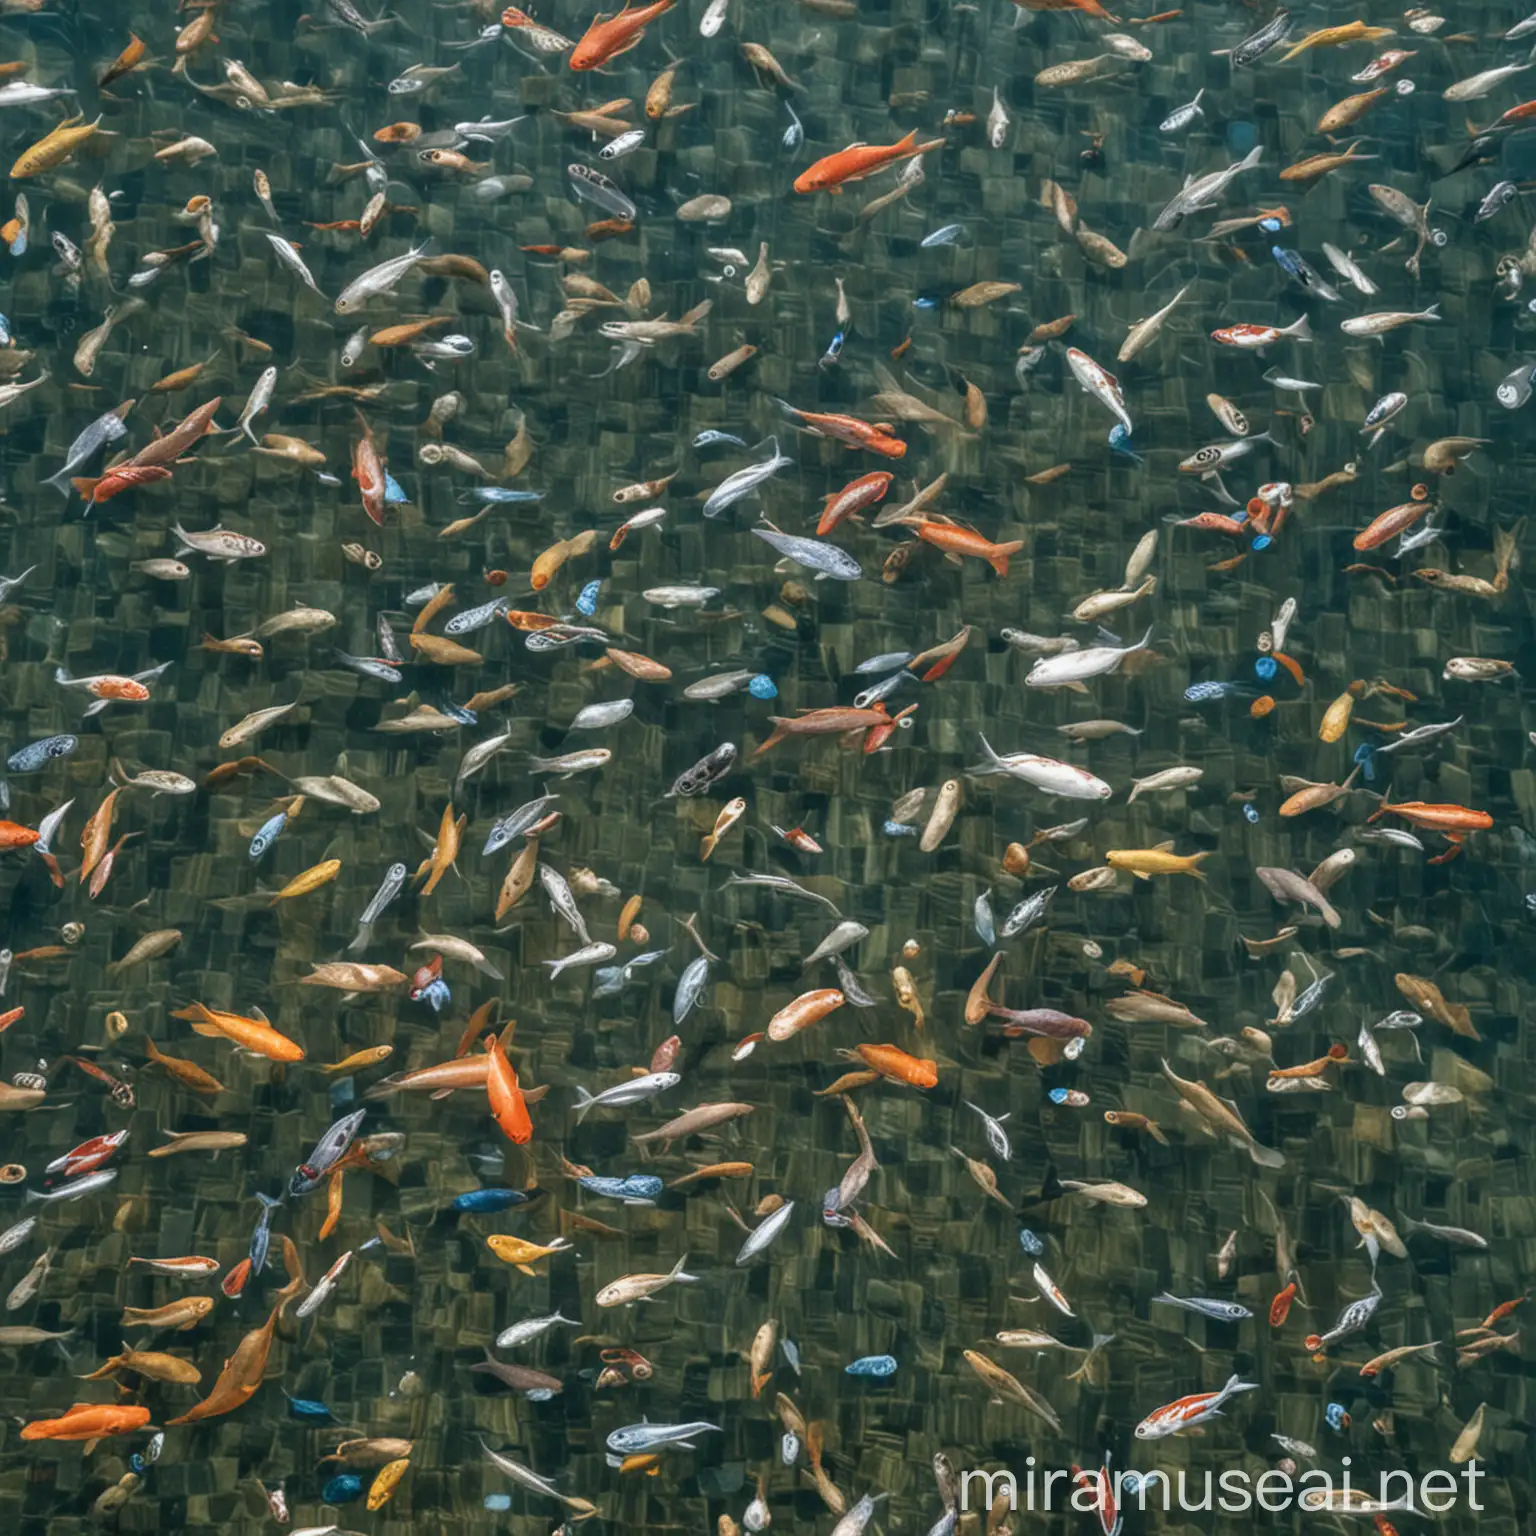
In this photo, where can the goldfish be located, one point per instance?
(1161, 860)
(832, 172)
(88, 1421)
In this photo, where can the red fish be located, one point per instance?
(368, 471)
(88, 1156)
(115, 481)
(609, 36)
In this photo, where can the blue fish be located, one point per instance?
(791, 1353)
(632, 1189)
(1365, 755)
(833, 352)
(5, 332)
(763, 687)
(586, 603)
(1120, 440)
(1251, 813)
(438, 994)
(261, 1238)
(898, 829)
(268, 834)
(501, 495)
(308, 1408)
(1031, 1244)
(1262, 543)
(1265, 668)
(342, 1489)
(1338, 1417)
(872, 1365)
(1203, 693)
(498, 1502)
(37, 754)
(394, 492)
(489, 1199)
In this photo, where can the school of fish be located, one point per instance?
(473, 647)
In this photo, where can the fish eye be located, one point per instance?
(1438, 237)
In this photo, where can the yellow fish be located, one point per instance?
(522, 1253)
(369, 1057)
(386, 1482)
(311, 879)
(1146, 862)
(1328, 37)
(55, 148)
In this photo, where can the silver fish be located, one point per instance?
(814, 554)
(745, 481)
(389, 888)
(562, 902)
(515, 823)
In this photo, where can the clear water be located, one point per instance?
(390, 1352)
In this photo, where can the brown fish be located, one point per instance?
(181, 1315)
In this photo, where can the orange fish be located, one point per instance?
(88, 1421)
(14, 835)
(609, 36)
(893, 1062)
(1087, 7)
(876, 437)
(507, 1106)
(1280, 1307)
(255, 1034)
(1435, 818)
(956, 541)
(858, 161)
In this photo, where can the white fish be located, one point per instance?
(1144, 332)
(288, 254)
(588, 954)
(745, 481)
(597, 717)
(1169, 778)
(1475, 87)
(1202, 192)
(713, 18)
(1074, 667)
(1387, 320)
(218, 543)
(1045, 773)
(998, 122)
(377, 280)
(1181, 117)
(632, 1090)
(765, 1232)
(1100, 383)
(532, 1328)
(260, 399)
(1346, 267)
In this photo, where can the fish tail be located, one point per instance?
(584, 1102)
(1192, 863)
(774, 739)
(679, 1274)
(1155, 1131)
(998, 559)
(1266, 1157)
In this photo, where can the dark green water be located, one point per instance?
(389, 1353)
